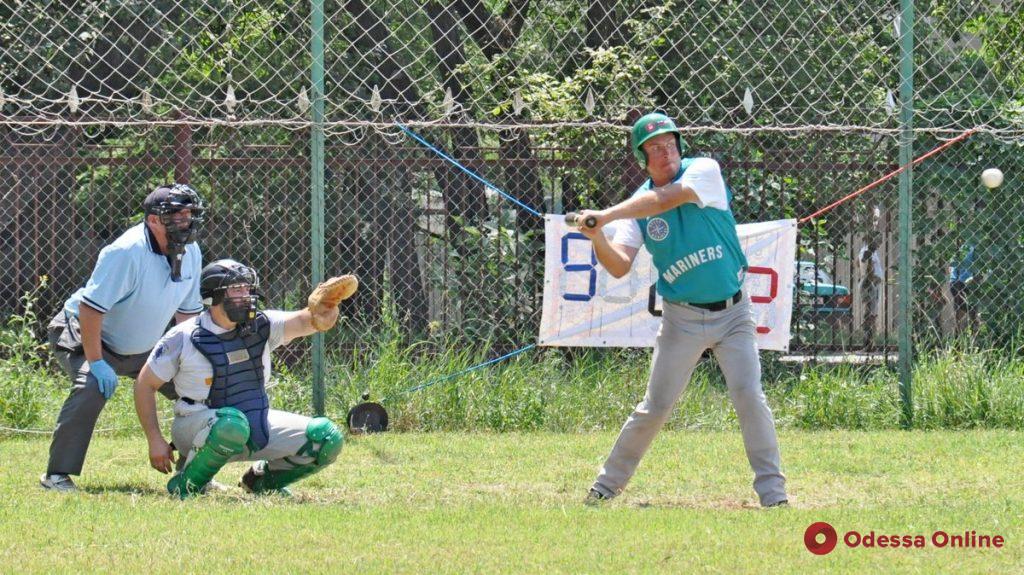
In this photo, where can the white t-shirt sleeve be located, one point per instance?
(277, 319)
(624, 232)
(164, 359)
(704, 177)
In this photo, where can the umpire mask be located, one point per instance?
(169, 203)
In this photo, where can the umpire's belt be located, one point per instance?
(191, 401)
(720, 305)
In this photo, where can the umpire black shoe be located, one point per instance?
(58, 482)
(782, 503)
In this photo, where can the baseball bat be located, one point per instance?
(573, 219)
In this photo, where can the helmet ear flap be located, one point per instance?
(212, 298)
(640, 155)
(218, 297)
(635, 141)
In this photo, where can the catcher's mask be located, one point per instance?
(367, 417)
(167, 203)
(219, 277)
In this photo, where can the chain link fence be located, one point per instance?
(785, 65)
(102, 100)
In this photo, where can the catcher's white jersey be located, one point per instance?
(175, 358)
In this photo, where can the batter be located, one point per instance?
(681, 214)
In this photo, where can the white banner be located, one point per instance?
(585, 306)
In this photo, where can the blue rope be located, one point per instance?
(476, 177)
(469, 369)
(468, 172)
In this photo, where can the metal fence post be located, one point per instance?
(317, 189)
(906, 156)
(183, 154)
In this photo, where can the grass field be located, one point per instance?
(583, 392)
(511, 503)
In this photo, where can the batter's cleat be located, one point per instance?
(248, 482)
(58, 482)
(595, 498)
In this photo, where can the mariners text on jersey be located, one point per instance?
(690, 261)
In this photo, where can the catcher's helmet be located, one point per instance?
(218, 276)
(649, 126)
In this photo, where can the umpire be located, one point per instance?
(144, 278)
(682, 216)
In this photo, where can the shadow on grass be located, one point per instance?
(229, 496)
(125, 488)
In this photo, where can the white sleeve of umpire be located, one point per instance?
(704, 177)
(624, 232)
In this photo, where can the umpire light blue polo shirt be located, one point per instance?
(131, 284)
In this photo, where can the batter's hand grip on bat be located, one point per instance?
(573, 219)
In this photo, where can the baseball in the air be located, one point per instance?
(992, 177)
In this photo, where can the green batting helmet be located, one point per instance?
(649, 126)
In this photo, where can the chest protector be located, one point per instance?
(238, 380)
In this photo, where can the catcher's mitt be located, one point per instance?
(326, 297)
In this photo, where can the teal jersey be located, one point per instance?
(695, 250)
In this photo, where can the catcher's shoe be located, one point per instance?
(248, 482)
(58, 482)
(213, 487)
(595, 498)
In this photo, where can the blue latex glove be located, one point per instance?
(105, 376)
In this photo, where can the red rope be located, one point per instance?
(875, 183)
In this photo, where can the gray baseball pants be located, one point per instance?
(287, 436)
(686, 331)
(82, 408)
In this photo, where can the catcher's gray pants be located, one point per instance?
(686, 331)
(82, 408)
(287, 436)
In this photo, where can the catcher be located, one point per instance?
(219, 362)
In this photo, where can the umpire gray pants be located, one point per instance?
(78, 415)
(686, 331)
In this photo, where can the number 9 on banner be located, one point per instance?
(589, 268)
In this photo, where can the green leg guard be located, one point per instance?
(320, 431)
(227, 438)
